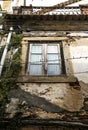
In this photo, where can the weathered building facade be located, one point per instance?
(54, 76)
(64, 85)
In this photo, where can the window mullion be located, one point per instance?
(59, 57)
(45, 59)
(59, 54)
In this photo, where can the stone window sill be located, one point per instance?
(46, 79)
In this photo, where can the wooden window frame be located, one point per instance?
(63, 70)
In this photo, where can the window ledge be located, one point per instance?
(46, 79)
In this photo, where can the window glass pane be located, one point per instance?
(36, 58)
(53, 58)
(36, 49)
(52, 49)
(54, 70)
(35, 69)
(47, 55)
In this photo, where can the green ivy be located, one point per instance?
(10, 75)
(15, 41)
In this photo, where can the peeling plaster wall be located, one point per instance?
(62, 95)
(78, 51)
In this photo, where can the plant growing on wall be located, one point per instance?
(11, 72)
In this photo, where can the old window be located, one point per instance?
(45, 59)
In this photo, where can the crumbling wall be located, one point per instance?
(60, 94)
(76, 53)
(45, 99)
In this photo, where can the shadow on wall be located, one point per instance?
(33, 100)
